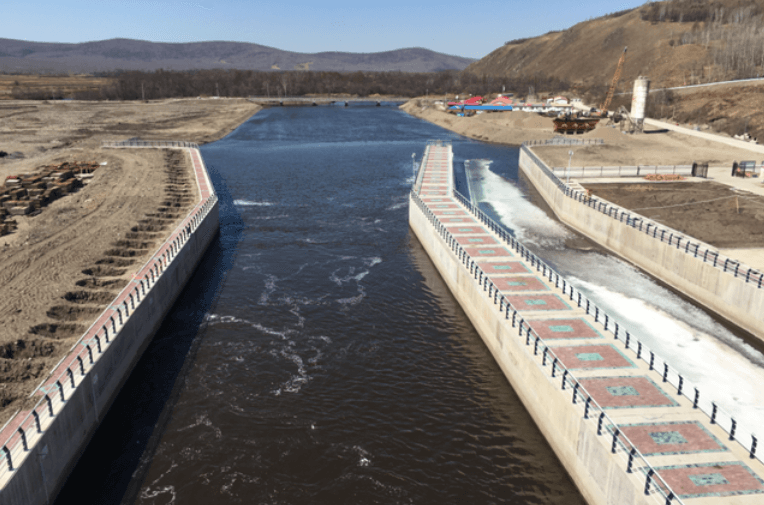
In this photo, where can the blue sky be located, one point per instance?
(460, 28)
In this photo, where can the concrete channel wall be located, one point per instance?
(597, 393)
(735, 293)
(41, 446)
(598, 473)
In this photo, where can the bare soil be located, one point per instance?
(61, 268)
(708, 211)
(656, 147)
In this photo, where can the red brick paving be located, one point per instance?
(480, 240)
(449, 212)
(503, 267)
(550, 329)
(463, 220)
(519, 283)
(739, 479)
(537, 302)
(626, 392)
(652, 439)
(591, 356)
(463, 229)
(487, 252)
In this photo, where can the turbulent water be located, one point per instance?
(720, 363)
(317, 357)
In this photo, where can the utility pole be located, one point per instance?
(143, 93)
(567, 173)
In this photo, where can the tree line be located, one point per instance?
(137, 85)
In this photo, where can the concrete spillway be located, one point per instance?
(626, 426)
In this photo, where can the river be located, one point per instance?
(317, 356)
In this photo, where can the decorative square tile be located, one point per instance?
(537, 302)
(503, 267)
(465, 229)
(622, 391)
(681, 437)
(449, 212)
(711, 479)
(488, 251)
(563, 328)
(475, 240)
(592, 356)
(462, 220)
(626, 392)
(667, 437)
(519, 283)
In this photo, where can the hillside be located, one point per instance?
(20, 56)
(672, 42)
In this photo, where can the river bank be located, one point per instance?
(63, 265)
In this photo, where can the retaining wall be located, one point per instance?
(598, 473)
(41, 446)
(683, 265)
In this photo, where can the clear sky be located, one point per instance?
(459, 28)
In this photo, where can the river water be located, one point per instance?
(316, 355)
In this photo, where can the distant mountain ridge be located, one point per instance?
(129, 54)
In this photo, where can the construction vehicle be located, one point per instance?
(576, 124)
(602, 112)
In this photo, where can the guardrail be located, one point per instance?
(661, 232)
(82, 357)
(622, 171)
(564, 141)
(633, 460)
(150, 143)
(666, 373)
(660, 367)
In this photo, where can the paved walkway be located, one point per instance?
(697, 459)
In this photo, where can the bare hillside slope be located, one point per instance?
(673, 42)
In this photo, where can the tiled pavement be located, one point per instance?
(693, 456)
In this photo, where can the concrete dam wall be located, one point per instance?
(626, 426)
(42, 445)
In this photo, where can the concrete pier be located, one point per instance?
(625, 425)
(40, 446)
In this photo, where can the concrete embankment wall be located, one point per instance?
(730, 296)
(598, 473)
(46, 443)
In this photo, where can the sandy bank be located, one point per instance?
(62, 266)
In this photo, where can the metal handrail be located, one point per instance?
(621, 443)
(150, 143)
(666, 373)
(690, 245)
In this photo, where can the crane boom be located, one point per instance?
(616, 77)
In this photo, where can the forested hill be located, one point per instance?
(672, 42)
(127, 54)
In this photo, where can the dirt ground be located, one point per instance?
(653, 148)
(708, 211)
(62, 267)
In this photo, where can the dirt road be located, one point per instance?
(61, 267)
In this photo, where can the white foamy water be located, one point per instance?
(530, 224)
(720, 364)
(249, 203)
